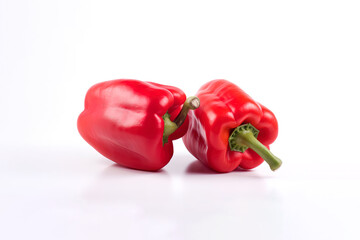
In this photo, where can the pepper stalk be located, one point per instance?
(170, 127)
(244, 137)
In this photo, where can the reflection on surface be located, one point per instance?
(197, 167)
(186, 202)
(81, 196)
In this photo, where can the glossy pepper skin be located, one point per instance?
(225, 107)
(123, 120)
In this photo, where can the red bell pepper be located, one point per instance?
(130, 121)
(227, 123)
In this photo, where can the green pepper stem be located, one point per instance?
(244, 137)
(191, 103)
(170, 127)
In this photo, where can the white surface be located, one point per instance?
(300, 59)
(73, 193)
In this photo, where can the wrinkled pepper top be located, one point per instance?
(123, 121)
(224, 107)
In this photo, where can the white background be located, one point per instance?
(299, 58)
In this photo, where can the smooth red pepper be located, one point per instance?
(226, 124)
(130, 121)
